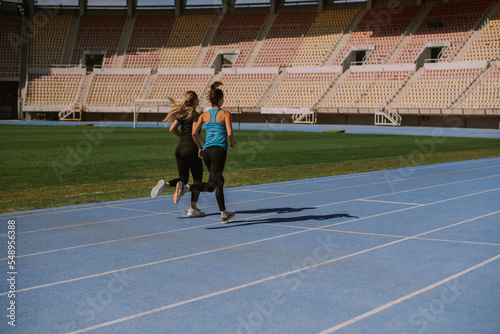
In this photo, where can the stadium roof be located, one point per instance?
(159, 3)
(176, 4)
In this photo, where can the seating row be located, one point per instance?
(98, 33)
(235, 32)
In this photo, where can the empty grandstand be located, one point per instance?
(343, 62)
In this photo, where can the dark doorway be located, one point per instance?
(92, 60)
(357, 57)
(431, 54)
(8, 99)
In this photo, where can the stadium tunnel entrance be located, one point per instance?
(8, 99)
(93, 60)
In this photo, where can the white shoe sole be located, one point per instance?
(201, 214)
(160, 186)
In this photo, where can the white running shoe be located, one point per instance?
(160, 186)
(195, 213)
(180, 190)
(226, 216)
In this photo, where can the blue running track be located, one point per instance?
(414, 250)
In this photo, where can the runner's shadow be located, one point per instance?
(270, 210)
(274, 220)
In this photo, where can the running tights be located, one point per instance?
(187, 159)
(215, 159)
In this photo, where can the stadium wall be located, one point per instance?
(356, 114)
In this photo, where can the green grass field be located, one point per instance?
(51, 166)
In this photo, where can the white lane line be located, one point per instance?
(248, 243)
(388, 202)
(221, 292)
(84, 224)
(265, 192)
(278, 184)
(377, 173)
(151, 263)
(461, 241)
(281, 196)
(114, 240)
(409, 296)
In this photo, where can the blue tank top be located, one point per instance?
(216, 132)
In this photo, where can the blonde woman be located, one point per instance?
(183, 115)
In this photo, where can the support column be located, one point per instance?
(25, 39)
(179, 6)
(131, 7)
(321, 5)
(225, 6)
(273, 8)
(82, 6)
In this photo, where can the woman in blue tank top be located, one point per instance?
(213, 150)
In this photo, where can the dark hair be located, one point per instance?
(215, 93)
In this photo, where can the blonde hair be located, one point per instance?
(184, 109)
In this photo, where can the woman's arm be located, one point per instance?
(174, 128)
(196, 134)
(229, 127)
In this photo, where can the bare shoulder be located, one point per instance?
(205, 116)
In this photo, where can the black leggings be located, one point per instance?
(215, 159)
(186, 155)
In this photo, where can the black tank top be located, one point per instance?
(187, 128)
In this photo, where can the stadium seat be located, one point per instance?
(324, 33)
(382, 35)
(47, 44)
(487, 46)
(53, 89)
(184, 41)
(486, 94)
(301, 90)
(458, 20)
(148, 39)
(245, 89)
(99, 33)
(175, 85)
(284, 38)
(10, 53)
(438, 88)
(120, 89)
(235, 32)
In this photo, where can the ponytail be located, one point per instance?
(215, 94)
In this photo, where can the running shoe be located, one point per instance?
(226, 216)
(160, 186)
(180, 190)
(195, 213)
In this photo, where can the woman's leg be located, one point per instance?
(161, 185)
(182, 165)
(217, 161)
(195, 164)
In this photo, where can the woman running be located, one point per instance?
(186, 154)
(213, 150)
